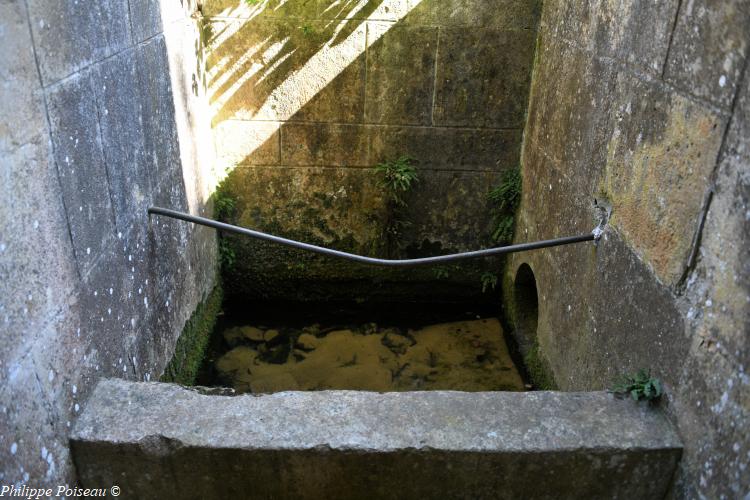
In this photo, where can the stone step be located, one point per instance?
(157, 440)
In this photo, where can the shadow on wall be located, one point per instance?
(294, 106)
(253, 56)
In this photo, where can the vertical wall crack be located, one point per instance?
(708, 197)
(671, 37)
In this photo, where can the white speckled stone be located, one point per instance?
(152, 439)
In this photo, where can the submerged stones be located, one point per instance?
(236, 336)
(464, 355)
(396, 343)
(307, 342)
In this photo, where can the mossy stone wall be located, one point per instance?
(308, 96)
(646, 106)
(190, 349)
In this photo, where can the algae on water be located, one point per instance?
(463, 355)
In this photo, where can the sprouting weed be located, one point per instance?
(639, 386)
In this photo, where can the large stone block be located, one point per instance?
(342, 99)
(272, 69)
(37, 263)
(554, 205)
(570, 121)
(502, 14)
(174, 291)
(722, 309)
(23, 108)
(713, 414)
(325, 205)
(157, 112)
(660, 158)
(240, 142)
(324, 144)
(400, 74)
(616, 29)
(348, 444)
(438, 208)
(146, 19)
(709, 48)
(483, 77)
(25, 417)
(638, 327)
(70, 34)
(81, 167)
(121, 125)
(110, 312)
(446, 148)
(338, 208)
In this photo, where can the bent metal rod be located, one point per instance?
(487, 252)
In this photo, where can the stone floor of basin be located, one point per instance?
(461, 355)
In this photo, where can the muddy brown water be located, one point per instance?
(288, 350)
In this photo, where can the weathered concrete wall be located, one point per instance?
(309, 95)
(160, 440)
(645, 105)
(93, 131)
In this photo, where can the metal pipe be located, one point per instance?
(488, 252)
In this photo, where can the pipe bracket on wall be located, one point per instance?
(487, 252)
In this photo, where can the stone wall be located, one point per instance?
(644, 106)
(309, 95)
(93, 131)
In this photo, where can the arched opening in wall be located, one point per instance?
(526, 303)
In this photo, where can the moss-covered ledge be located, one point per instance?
(191, 345)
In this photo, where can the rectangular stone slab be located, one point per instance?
(157, 440)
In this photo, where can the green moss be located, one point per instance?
(270, 271)
(538, 369)
(191, 346)
(313, 213)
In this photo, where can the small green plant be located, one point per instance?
(252, 2)
(504, 200)
(639, 386)
(226, 254)
(223, 206)
(224, 210)
(396, 178)
(441, 272)
(489, 281)
(307, 30)
(207, 32)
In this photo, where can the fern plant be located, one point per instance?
(396, 178)
(223, 206)
(504, 200)
(639, 386)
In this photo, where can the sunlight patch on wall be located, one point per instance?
(264, 68)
